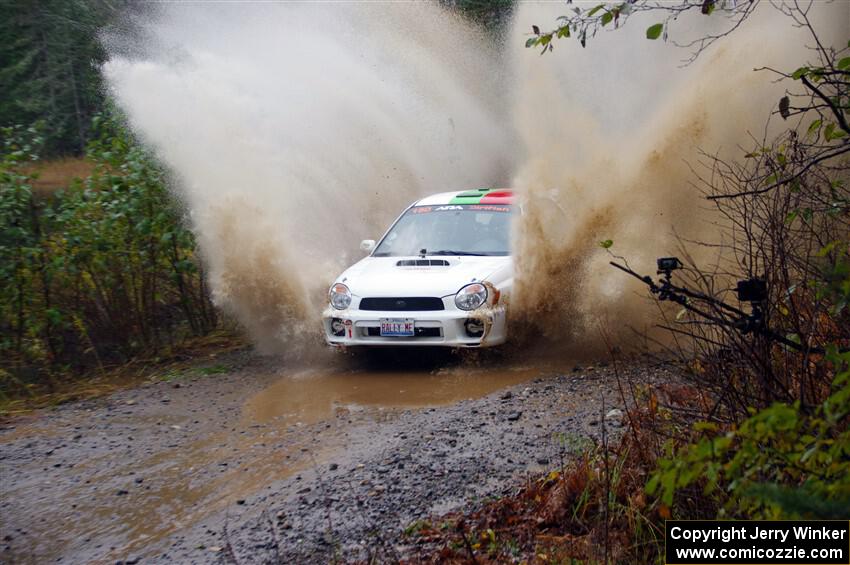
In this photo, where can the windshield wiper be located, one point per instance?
(451, 252)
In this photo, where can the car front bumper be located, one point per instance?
(433, 328)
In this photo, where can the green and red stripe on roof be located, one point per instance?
(484, 196)
(478, 196)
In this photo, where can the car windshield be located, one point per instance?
(468, 229)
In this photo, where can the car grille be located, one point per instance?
(417, 332)
(403, 304)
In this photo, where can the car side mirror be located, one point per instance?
(367, 245)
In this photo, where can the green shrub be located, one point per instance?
(779, 463)
(99, 272)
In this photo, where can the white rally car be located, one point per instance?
(441, 275)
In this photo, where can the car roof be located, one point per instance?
(474, 196)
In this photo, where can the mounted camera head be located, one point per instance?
(667, 265)
(752, 290)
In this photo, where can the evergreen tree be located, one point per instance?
(49, 59)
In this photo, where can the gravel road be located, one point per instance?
(188, 472)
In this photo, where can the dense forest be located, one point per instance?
(49, 69)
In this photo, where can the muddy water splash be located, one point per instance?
(296, 130)
(612, 135)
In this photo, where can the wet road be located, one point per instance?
(145, 470)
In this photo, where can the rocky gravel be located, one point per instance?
(180, 475)
(423, 463)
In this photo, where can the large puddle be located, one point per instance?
(311, 395)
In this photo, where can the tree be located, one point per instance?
(492, 14)
(49, 67)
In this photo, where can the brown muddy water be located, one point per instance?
(99, 482)
(312, 395)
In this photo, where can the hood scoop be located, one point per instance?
(422, 263)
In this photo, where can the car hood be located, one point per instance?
(382, 276)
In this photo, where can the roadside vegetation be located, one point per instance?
(97, 274)
(97, 265)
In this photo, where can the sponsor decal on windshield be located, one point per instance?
(488, 208)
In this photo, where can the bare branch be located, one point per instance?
(824, 157)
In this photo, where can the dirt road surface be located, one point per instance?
(287, 465)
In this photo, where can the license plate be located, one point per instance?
(396, 327)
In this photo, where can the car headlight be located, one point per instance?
(471, 296)
(340, 296)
